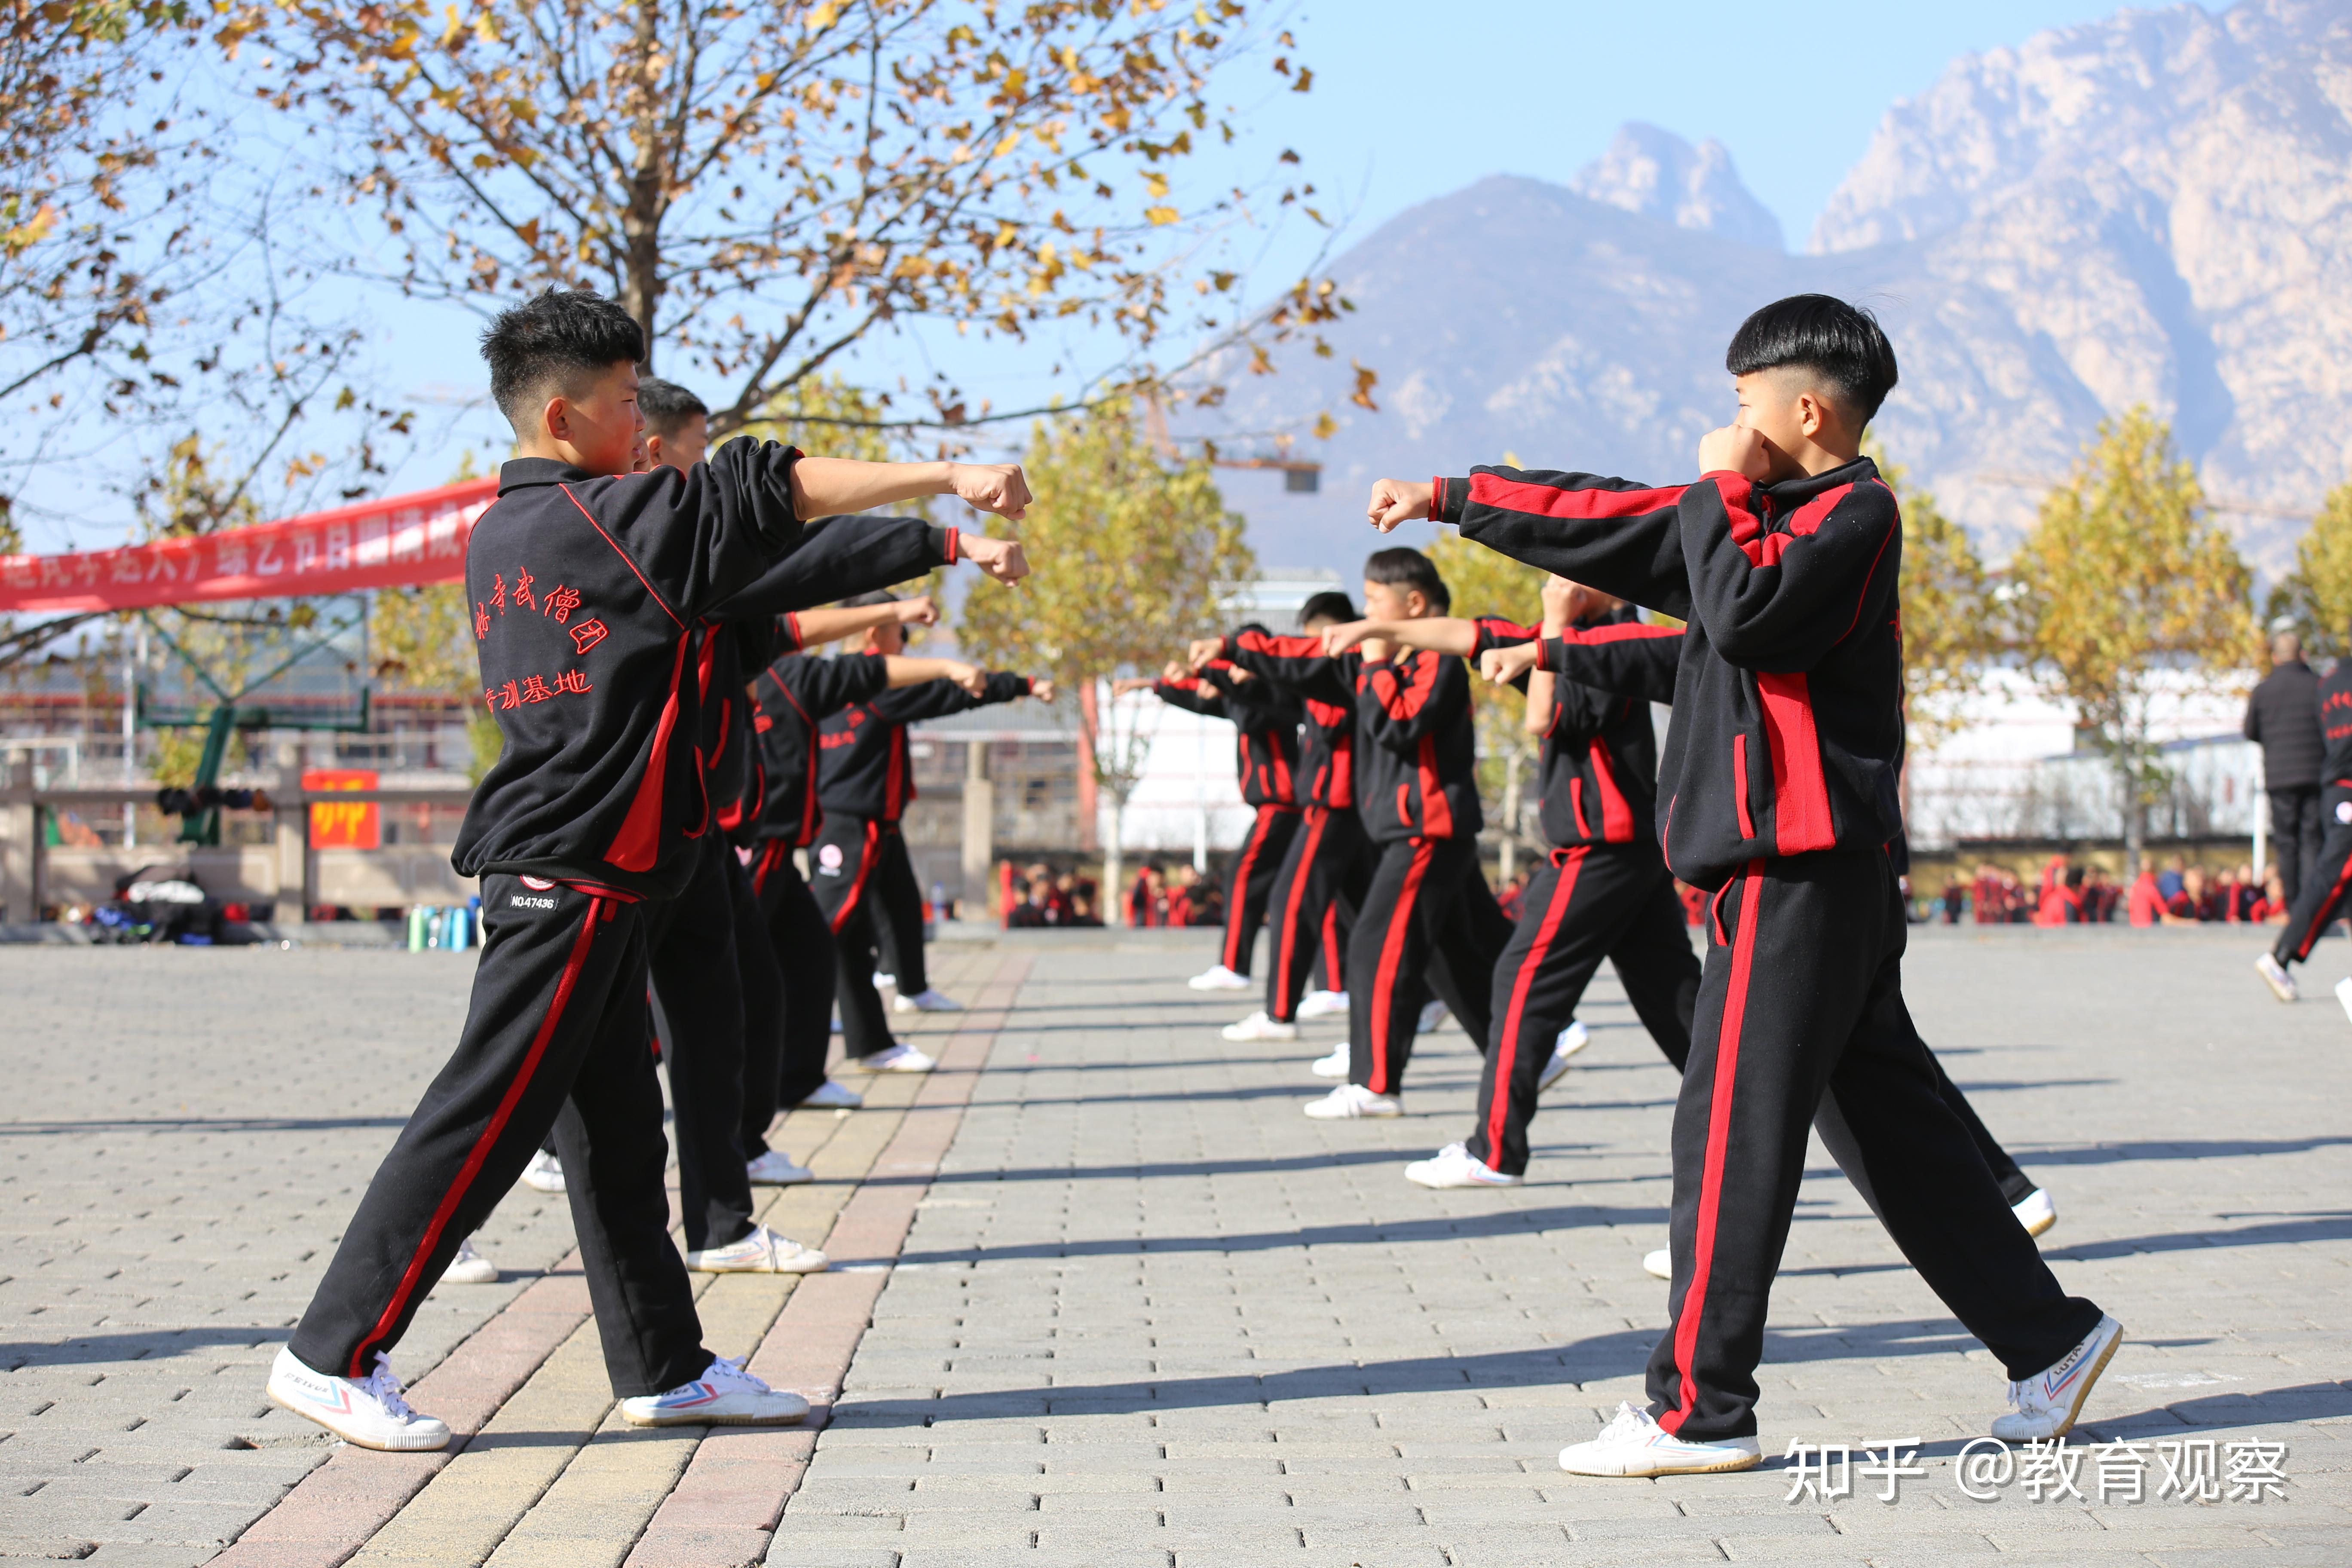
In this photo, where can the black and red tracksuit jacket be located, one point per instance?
(1413, 755)
(1598, 765)
(862, 765)
(836, 557)
(1327, 700)
(2336, 724)
(791, 698)
(1788, 730)
(586, 593)
(1265, 717)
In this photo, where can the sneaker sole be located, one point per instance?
(1720, 1467)
(353, 1438)
(787, 1266)
(783, 1181)
(454, 1278)
(1451, 1187)
(1358, 1116)
(2290, 992)
(2043, 1226)
(683, 1419)
(1554, 1073)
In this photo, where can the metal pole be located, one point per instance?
(131, 735)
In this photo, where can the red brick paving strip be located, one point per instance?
(725, 1509)
(334, 1511)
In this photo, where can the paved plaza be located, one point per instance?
(1105, 1297)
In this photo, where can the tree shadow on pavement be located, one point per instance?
(134, 1346)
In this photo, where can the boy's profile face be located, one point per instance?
(1392, 602)
(683, 447)
(1793, 411)
(597, 429)
(890, 641)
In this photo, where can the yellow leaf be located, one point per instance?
(1160, 215)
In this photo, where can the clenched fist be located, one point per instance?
(918, 612)
(1397, 500)
(998, 488)
(1505, 664)
(1735, 449)
(1000, 558)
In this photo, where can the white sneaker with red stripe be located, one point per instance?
(1217, 977)
(775, 1169)
(1454, 1166)
(470, 1266)
(544, 1173)
(1350, 1101)
(2035, 1211)
(367, 1411)
(1633, 1444)
(1333, 1066)
(724, 1395)
(2045, 1405)
(1322, 1003)
(2275, 975)
(1258, 1027)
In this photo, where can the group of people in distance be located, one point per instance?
(620, 613)
(1777, 799)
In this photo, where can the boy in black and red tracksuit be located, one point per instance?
(586, 584)
(1311, 910)
(1428, 917)
(1780, 785)
(2322, 894)
(864, 783)
(791, 697)
(1266, 758)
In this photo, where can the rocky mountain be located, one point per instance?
(2155, 208)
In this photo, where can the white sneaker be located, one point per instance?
(761, 1252)
(1333, 1066)
(1217, 977)
(2344, 994)
(927, 1000)
(884, 982)
(1634, 1445)
(831, 1096)
(1322, 1003)
(470, 1266)
(1452, 1166)
(773, 1169)
(724, 1395)
(2035, 1212)
(1431, 1016)
(2275, 976)
(1659, 1265)
(367, 1411)
(545, 1173)
(1350, 1101)
(900, 1058)
(1258, 1027)
(1572, 1039)
(2047, 1403)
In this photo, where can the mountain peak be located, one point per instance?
(1651, 171)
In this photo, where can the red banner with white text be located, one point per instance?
(395, 542)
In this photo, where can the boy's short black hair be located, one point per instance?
(667, 405)
(1404, 567)
(866, 601)
(1327, 606)
(1842, 343)
(553, 341)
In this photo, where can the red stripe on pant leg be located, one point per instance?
(1335, 962)
(1284, 988)
(1570, 862)
(857, 884)
(413, 1275)
(2320, 916)
(1718, 1144)
(1239, 896)
(1391, 949)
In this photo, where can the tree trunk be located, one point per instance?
(1114, 891)
(2134, 812)
(641, 220)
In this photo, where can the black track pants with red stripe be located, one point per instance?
(1422, 926)
(1249, 885)
(800, 942)
(857, 868)
(2326, 884)
(1593, 902)
(763, 1013)
(1311, 909)
(698, 1010)
(1801, 992)
(555, 1035)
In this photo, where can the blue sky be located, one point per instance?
(1411, 100)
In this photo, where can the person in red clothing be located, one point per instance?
(1781, 790)
(1266, 719)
